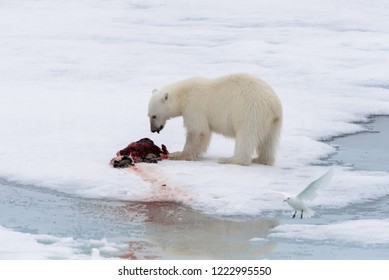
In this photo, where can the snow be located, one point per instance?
(26, 246)
(370, 232)
(76, 76)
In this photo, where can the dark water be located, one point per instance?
(42, 211)
(368, 150)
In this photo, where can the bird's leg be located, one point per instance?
(294, 215)
(302, 211)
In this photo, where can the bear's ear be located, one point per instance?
(155, 91)
(165, 97)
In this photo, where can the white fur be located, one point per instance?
(238, 106)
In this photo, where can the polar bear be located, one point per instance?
(238, 106)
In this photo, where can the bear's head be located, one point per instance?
(158, 110)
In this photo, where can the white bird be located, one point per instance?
(309, 193)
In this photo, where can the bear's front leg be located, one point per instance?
(196, 144)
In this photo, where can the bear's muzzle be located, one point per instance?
(156, 129)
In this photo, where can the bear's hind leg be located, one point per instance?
(265, 155)
(266, 150)
(244, 149)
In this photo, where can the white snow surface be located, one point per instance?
(370, 232)
(76, 76)
(25, 246)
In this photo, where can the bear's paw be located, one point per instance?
(181, 156)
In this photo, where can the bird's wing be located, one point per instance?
(310, 192)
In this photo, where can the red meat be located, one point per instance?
(143, 150)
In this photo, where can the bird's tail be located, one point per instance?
(308, 212)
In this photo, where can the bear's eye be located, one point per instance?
(153, 116)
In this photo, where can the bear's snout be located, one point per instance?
(155, 129)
